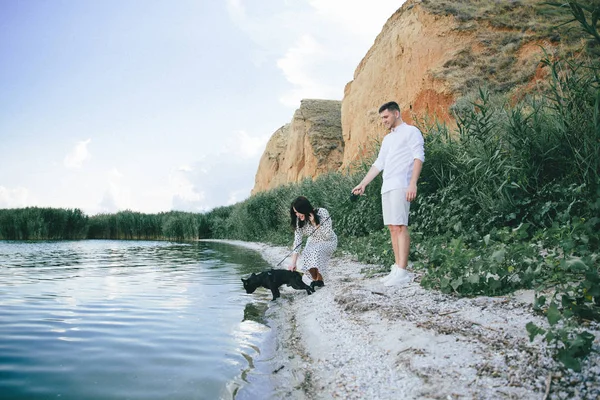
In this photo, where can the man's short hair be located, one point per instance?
(390, 106)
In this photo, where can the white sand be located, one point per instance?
(357, 339)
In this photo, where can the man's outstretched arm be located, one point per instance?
(360, 188)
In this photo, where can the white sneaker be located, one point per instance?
(401, 277)
(393, 272)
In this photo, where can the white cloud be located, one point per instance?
(364, 19)
(215, 182)
(245, 146)
(271, 26)
(236, 11)
(223, 177)
(108, 204)
(297, 60)
(115, 174)
(317, 44)
(14, 198)
(118, 195)
(78, 155)
(300, 66)
(182, 187)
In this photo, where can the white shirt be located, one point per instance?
(397, 155)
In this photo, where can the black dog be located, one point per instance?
(274, 278)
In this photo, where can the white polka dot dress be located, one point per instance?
(319, 246)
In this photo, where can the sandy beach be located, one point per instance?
(357, 339)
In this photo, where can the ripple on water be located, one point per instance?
(137, 320)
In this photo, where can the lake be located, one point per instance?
(97, 319)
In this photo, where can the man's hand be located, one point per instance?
(411, 192)
(359, 189)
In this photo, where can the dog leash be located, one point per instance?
(353, 198)
(294, 249)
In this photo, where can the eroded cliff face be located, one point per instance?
(311, 144)
(398, 67)
(425, 58)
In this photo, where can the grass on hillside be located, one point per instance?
(502, 28)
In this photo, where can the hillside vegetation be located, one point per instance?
(502, 27)
(508, 200)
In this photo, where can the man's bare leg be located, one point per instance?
(403, 246)
(395, 236)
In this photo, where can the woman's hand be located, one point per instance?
(292, 267)
(311, 218)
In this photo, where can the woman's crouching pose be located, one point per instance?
(321, 242)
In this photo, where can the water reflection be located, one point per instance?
(116, 319)
(255, 312)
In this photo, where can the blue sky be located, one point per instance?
(155, 105)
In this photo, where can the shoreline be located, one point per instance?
(357, 339)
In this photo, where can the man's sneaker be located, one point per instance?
(401, 277)
(393, 272)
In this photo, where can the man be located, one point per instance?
(401, 158)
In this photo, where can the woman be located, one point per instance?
(321, 242)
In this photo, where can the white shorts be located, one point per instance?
(395, 207)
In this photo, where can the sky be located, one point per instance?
(159, 105)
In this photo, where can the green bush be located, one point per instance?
(509, 200)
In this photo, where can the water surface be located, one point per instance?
(128, 320)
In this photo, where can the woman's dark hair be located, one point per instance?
(303, 206)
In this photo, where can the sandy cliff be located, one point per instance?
(430, 53)
(311, 144)
(398, 67)
(427, 56)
